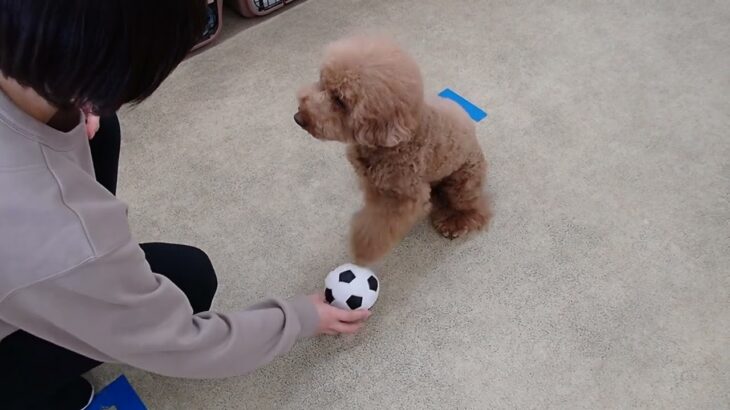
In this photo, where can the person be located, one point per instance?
(76, 290)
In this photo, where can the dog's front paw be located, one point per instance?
(367, 239)
(454, 224)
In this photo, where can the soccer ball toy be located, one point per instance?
(351, 287)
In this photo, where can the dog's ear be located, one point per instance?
(382, 125)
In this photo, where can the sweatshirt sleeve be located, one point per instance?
(115, 309)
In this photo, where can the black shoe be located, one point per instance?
(76, 395)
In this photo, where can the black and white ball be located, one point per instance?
(351, 287)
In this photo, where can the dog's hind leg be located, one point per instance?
(460, 203)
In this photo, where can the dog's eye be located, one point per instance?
(337, 100)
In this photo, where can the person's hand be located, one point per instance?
(92, 125)
(92, 122)
(333, 321)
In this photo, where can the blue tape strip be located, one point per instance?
(476, 113)
(118, 395)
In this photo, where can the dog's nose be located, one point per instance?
(299, 119)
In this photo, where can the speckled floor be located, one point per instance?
(604, 281)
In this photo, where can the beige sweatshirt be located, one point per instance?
(71, 273)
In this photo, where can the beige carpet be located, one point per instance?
(604, 281)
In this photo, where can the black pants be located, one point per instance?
(32, 370)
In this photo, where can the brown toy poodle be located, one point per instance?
(413, 157)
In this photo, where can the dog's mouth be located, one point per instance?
(301, 119)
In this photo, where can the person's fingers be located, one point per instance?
(92, 125)
(352, 316)
(347, 328)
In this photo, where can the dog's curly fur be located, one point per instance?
(413, 157)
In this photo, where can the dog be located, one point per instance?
(413, 157)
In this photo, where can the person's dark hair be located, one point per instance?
(101, 53)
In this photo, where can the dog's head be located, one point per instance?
(369, 93)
